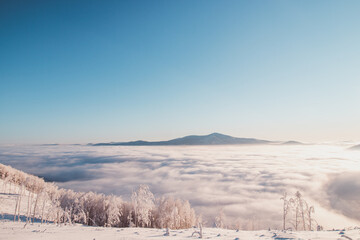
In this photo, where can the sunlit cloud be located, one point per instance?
(245, 181)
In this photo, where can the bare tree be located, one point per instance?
(18, 202)
(287, 204)
(302, 213)
(309, 211)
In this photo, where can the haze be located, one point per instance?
(245, 181)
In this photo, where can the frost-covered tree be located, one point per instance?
(287, 204)
(38, 189)
(174, 214)
(50, 203)
(18, 202)
(238, 224)
(300, 210)
(220, 219)
(143, 204)
(113, 210)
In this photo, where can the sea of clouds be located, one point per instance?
(245, 182)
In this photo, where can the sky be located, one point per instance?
(94, 71)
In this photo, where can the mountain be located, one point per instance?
(211, 139)
(292, 143)
(356, 147)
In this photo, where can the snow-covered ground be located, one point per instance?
(20, 231)
(8, 197)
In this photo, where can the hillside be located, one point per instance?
(356, 147)
(292, 143)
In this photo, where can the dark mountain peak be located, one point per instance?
(356, 147)
(211, 139)
(218, 134)
(293, 143)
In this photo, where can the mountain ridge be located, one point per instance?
(355, 147)
(210, 139)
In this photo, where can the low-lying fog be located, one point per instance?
(245, 181)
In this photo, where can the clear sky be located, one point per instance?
(90, 71)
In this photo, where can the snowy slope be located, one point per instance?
(8, 197)
(17, 231)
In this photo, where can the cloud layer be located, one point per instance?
(245, 181)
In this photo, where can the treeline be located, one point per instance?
(44, 201)
(47, 202)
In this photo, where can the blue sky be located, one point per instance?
(89, 71)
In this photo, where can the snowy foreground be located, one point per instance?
(22, 230)
(15, 231)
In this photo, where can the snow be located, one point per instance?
(20, 231)
(8, 200)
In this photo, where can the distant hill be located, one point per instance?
(292, 143)
(211, 139)
(356, 147)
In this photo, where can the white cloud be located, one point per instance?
(246, 181)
